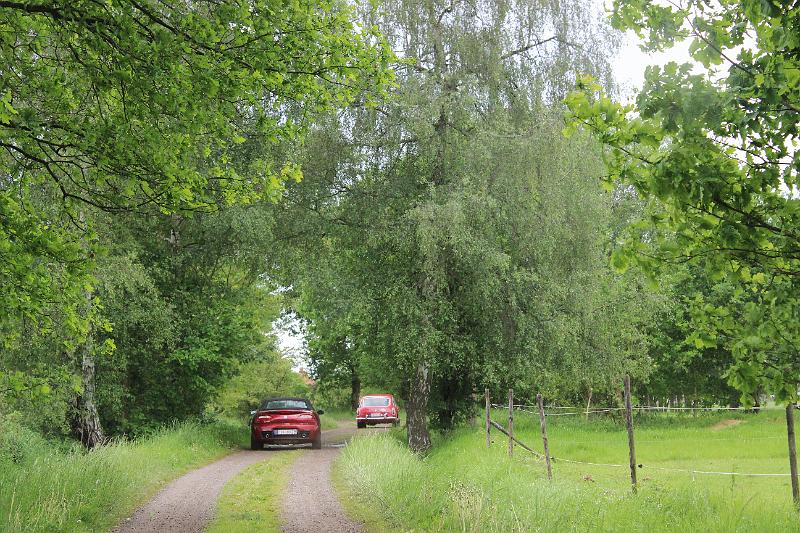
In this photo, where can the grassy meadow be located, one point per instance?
(462, 486)
(49, 487)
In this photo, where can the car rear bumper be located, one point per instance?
(372, 420)
(286, 441)
(304, 435)
(301, 436)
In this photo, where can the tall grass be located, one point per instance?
(462, 486)
(334, 418)
(50, 487)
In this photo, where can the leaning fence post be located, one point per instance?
(488, 420)
(510, 422)
(544, 436)
(792, 452)
(629, 423)
(588, 403)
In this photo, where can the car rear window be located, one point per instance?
(272, 405)
(375, 401)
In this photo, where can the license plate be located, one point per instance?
(284, 432)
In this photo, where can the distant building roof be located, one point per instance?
(306, 378)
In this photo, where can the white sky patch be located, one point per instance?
(631, 61)
(291, 334)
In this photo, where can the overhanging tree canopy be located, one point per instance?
(452, 224)
(136, 104)
(716, 156)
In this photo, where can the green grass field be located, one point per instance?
(463, 486)
(251, 501)
(49, 488)
(333, 418)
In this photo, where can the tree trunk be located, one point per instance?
(419, 439)
(89, 430)
(355, 390)
(88, 427)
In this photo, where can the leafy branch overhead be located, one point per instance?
(147, 106)
(715, 155)
(128, 103)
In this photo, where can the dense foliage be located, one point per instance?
(452, 239)
(129, 105)
(445, 236)
(715, 156)
(125, 127)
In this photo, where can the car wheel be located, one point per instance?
(316, 444)
(396, 423)
(361, 425)
(255, 444)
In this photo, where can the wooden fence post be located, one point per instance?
(488, 419)
(588, 403)
(544, 435)
(792, 452)
(629, 423)
(510, 422)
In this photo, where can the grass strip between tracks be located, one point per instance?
(251, 501)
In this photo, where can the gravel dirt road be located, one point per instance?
(310, 504)
(187, 504)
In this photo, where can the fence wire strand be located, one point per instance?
(581, 410)
(711, 473)
(523, 407)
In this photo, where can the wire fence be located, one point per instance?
(595, 410)
(559, 459)
(628, 411)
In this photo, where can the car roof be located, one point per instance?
(287, 398)
(264, 403)
(378, 395)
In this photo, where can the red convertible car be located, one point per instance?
(377, 409)
(285, 421)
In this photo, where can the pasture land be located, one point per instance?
(463, 486)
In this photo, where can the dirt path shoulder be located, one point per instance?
(310, 503)
(187, 504)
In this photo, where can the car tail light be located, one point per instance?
(304, 417)
(263, 418)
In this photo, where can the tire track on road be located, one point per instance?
(310, 503)
(187, 504)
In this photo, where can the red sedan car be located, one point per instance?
(285, 421)
(377, 409)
